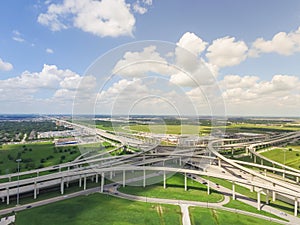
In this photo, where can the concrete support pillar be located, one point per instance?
(296, 207)
(254, 158)
(7, 196)
(265, 172)
(84, 182)
(164, 179)
(258, 200)
(97, 178)
(111, 174)
(180, 162)
(185, 182)
(144, 180)
(219, 162)
(261, 161)
(208, 191)
(35, 191)
(67, 183)
(232, 151)
(297, 179)
(267, 197)
(251, 188)
(62, 186)
(273, 196)
(233, 190)
(80, 181)
(124, 178)
(283, 175)
(102, 183)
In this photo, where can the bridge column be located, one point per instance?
(144, 180)
(296, 207)
(62, 186)
(265, 172)
(254, 158)
(124, 178)
(102, 182)
(180, 162)
(233, 190)
(273, 167)
(67, 183)
(35, 191)
(80, 181)
(219, 162)
(164, 179)
(84, 182)
(7, 196)
(267, 197)
(251, 188)
(258, 200)
(208, 191)
(261, 161)
(111, 174)
(283, 175)
(97, 178)
(273, 196)
(185, 182)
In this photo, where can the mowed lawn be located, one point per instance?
(98, 209)
(285, 156)
(175, 190)
(204, 216)
(34, 156)
(39, 155)
(170, 129)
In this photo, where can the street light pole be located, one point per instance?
(18, 194)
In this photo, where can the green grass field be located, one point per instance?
(236, 204)
(39, 155)
(175, 190)
(204, 216)
(245, 191)
(194, 129)
(167, 129)
(98, 209)
(285, 156)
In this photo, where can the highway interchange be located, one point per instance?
(277, 181)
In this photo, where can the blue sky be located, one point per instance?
(257, 73)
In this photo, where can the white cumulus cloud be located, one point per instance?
(248, 95)
(192, 42)
(226, 52)
(6, 66)
(136, 64)
(102, 18)
(282, 43)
